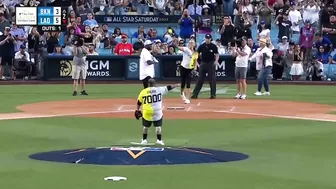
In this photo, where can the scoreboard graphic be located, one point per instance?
(46, 18)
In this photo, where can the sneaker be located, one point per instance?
(258, 93)
(242, 97)
(212, 97)
(84, 93)
(160, 142)
(266, 93)
(144, 141)
(186, 101)
(194, 97)
(183, 97)
(237, 96)
(74, 93)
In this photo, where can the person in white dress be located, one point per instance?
(297, 68)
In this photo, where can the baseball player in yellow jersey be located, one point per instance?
(150, 99)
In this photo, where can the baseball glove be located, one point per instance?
(137, 114)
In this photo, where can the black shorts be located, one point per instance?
(145, 82)
(7, 60)
(146, 123)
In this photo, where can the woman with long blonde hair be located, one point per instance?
(188, 64)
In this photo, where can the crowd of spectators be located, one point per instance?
(306, 28)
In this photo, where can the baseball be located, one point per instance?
(328, 79)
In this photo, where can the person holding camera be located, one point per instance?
(79, 67)
(146, 63)
(242, 53)
(22, 63)
(208, 56)
(7, 43)
(263, 58)
(315, 69)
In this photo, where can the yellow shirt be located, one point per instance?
(151, 99)
(193, 60)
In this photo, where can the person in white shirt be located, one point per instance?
(192, 9)
(311, 11)
(283, 46)
(188, 64)
(295, 17)
(22, 62)
(263, 58)
(221, 48)
(242, 55)
(146, 63)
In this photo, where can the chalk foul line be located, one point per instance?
(32, 116)
(275, 116)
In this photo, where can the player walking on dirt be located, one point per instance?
(151, 101)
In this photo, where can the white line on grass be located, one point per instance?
(30, 116)
(277, 116)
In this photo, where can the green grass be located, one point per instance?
(284, 154)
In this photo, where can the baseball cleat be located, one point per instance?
(160, 142)
(183, 96)
(242, 97)
(237, 96)
(258, 93)
(74, 93)
(186, 101)
(266, 93)
(144, 142)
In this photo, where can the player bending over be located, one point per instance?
(150, 99)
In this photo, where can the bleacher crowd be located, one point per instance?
(298, 31)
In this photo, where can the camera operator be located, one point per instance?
(7, 52)
(315, 69)
(79, 68)
(22, 63)
(242, 53)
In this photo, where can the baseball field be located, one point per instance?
(52, 140)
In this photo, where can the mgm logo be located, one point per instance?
(66, 68)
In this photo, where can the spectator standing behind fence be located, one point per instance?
(7, 52)
(124, 48)
(329, 30)
(311, 11)
(33, 50)
(3, 22)
(307, 34)
(227, 31)
(295, 17)
(297, 68)
(19, 36)
(160, 7)
(186, 25)
(284, 26)
(263, 58)
(119, 7)
(265, 13)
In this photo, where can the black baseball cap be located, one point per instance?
(22, 47)
(208, 36)
(314, 57)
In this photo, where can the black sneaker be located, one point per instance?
(213, 97)
(74, 93)
(84, 93)
(193, 97)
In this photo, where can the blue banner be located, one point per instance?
(133, 66)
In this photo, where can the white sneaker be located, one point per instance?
(144, 142)
(242, 97)
(183, 97)
(258, 93)
(266, 93)
(160, 142)
(237, 96)
(186, 101)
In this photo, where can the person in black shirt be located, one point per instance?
(329, 30)
(7, 52)
(284, 26)
(325, 15)
(208, 58)
(227, 31)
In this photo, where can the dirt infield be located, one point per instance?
(198, 109)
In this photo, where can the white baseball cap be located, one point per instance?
(148, 42)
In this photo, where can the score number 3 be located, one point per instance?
(152, 98)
